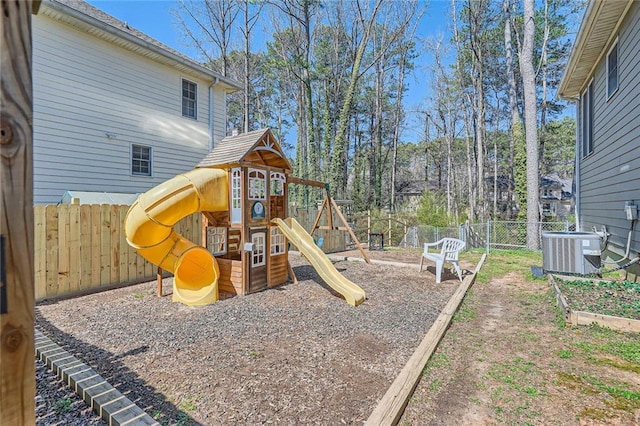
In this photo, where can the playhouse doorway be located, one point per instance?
(258, 269)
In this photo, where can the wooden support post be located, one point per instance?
(369, 229)
(353, 236)
(159, 281)
(292, 274)
(17, 348)
(389, 229)
(317, 221)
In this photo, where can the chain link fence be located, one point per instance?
(492, 235)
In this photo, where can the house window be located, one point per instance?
(217, 240)
(189, 99)
(277, 183)
(277, 241)
(586, 120)
(257, 184)
(612, 70)
(140, 160)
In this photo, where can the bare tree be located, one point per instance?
(213, 21)
(530, 124)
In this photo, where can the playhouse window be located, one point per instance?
(140, 160)
(236, 195)
(217, 240)
(257, 184)
(277, 183)
(189, 99)
(258, 257)
(277, 241)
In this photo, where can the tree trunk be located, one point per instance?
(530, 122)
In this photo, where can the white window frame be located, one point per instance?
(277, 181)
(278, 241)
(189, 102)
(134, 159)
(611, 90)
(586, 120)
(257, 181)
(236, 195)
(217, 240)
(258, 257)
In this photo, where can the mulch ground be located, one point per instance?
(291, 355)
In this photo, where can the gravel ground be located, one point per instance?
(297, 354)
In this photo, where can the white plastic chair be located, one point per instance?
(451, 247)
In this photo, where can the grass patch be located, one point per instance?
(63, 405)
(620, 396)
(465, 312)
(503, 262)
(565, 353)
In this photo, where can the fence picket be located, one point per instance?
(105, 245)
(75, 266)
(51, 241)
(40, 254)
(85, 247)
(123, 247)
(114, 265)
(63, 248)
(96, 228)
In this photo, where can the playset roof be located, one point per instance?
(258, 147)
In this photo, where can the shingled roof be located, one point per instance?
(259, 147)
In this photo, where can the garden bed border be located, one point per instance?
(573, 317)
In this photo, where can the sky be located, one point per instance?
(153, 17)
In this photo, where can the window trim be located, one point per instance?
(586, 120)
(131, 159)
(278, 241)
(613, 47)
(217, 240)
(257, 177)
(276, 181)
(187, 99)
(259, 256)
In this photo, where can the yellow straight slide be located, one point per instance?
(149, 229)
(298, 236)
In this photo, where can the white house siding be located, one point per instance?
(611, 174)
(85, 88)
(219, 114)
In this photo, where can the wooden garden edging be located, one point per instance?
(81, 248)
(391, 406)
(572, 317)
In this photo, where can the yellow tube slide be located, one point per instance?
(149, 229)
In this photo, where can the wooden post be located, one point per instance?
(369, 229)
(389, 242)
(17, 349)
(159, 281)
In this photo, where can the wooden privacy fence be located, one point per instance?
(80, 248)
(333, 241)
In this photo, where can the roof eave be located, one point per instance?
(170, 58)
(570, 88)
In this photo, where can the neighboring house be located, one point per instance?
(602, 77)
(556, 198)
(115, 110)
(504, 194)
(409, 193)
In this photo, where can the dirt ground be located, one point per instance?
(508, 359)
(299, 354)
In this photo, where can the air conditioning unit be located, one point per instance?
(571, 252)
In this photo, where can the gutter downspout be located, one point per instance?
(211, 123)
